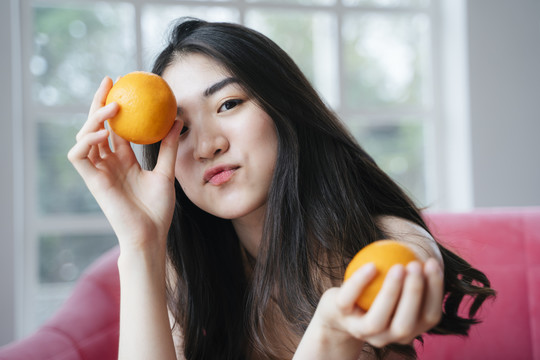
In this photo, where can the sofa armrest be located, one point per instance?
(87, 324)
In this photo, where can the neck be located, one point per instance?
(249, 230)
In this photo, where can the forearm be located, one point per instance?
(144, 325)
(321, 343)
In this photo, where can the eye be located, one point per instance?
(229, 104)
(184, 129)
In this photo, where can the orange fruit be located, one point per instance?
(384, 254)
(147, 107)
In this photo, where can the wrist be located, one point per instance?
(145, 245)
(323, 341)
(141, 237)
(150, 257)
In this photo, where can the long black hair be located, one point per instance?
(323, 204)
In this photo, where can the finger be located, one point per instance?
(105, 146)
(93, 155)
(104, 149)
(79, 153)
(383, 307)
(434, 293)
(353, 287)
(100, 97)
(119, 144)
(168, 150)
(406, 319)
(97, 119)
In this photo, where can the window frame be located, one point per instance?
(449, 102)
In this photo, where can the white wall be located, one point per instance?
(504, 79)
(7, 265)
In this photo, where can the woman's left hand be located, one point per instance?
(408, 304)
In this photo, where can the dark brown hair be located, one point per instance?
(325, 198)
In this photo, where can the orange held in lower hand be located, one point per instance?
(384, 254)
(147, 107)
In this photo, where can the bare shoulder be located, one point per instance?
(413, 234)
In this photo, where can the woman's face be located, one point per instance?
(228, 146)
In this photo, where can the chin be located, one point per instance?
(228, 215)
(239, 212)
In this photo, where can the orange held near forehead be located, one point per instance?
(384, 254)
(147, 107)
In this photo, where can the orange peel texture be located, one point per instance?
(147, 107)
(384, 254)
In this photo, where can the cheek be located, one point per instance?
(267, 155)
(181, 168)
(266, 149)
(268, 142)
(186, 183)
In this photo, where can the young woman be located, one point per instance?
(235, 237)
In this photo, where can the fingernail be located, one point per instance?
(432, 266)
(178, 125)
(396, 271)
(366, 269)
(369, 267)
(414, 267)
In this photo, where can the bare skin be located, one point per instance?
(139, 205)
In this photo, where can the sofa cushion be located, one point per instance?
(505, 244)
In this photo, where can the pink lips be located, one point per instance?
(219, 175)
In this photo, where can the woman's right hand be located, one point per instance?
(408, 304)
(139, 204)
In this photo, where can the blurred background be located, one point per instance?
(443, 93)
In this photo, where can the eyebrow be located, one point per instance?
(213, 89)
(220, 85)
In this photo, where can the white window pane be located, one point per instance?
(309, 38)
(217, 1)
(398, 148)
(157, 19)
(298, 2)
(75, 46)
(386, 60)
(62, 259)
(60, 188)
(385, 3)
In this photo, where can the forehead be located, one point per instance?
(193, 73)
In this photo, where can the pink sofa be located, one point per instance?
(505, 243)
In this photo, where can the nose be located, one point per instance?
(210, 142)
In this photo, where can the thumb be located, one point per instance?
(167, 152)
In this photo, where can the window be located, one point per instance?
(371, 60)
